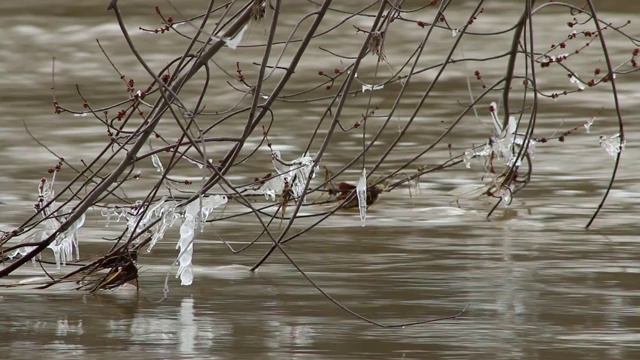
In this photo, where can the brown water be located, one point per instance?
(538, 284)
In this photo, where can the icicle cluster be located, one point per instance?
(295, 174)
(65, 244)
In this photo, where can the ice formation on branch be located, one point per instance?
(612, 144)
(502, 143)
(294, 173)
(155, 160)
(372, 87)
(234, 41)
(65, 243)
(574, 80)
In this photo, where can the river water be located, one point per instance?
(538, 284)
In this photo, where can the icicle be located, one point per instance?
(361, 192)
(233, 42)
(64, 244)
(156, 163)
(185, 244)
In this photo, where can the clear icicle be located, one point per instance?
(155, 160)
(185, 244)
(361, 192)
(233, 42)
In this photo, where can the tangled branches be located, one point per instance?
(250, 115)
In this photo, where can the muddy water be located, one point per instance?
(538, 284)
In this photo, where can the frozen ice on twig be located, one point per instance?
(468, 155)
(295, 173)
(454, 32)
(372, 87)
(234, 41)
(278, 163)
(361, 192)
(578, 82)
(155, 160)
(506, 195)
(208, 204)
(588, 124)
(613, 145)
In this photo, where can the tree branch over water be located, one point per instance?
(213, 136)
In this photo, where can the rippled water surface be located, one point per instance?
(538, 285)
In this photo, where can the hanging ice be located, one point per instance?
(185, 244)
(295, 174)
(155, 160)
(612, 144)
(277, 162)
(208, 204)
(361, 192)
(502, 142)
(169, 217)
(65, 243)
(234, 41)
